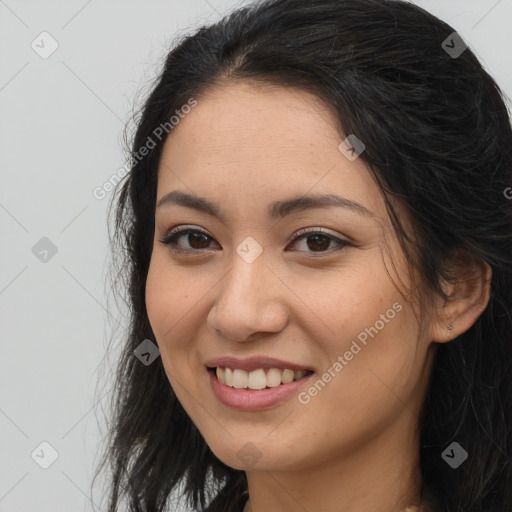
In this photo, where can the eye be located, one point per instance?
(317, 240)
(196, 239)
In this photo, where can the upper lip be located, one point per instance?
(254, 363)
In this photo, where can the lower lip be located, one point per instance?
(250, 400)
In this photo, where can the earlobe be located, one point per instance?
(468, 295)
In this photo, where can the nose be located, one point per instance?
(249, 301)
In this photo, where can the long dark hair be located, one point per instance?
(437, 138)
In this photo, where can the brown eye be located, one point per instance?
(196, 240)
(318, 241)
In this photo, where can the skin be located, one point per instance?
(354, 446)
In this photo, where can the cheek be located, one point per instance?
(158, 298)
(167, 304)
(169, 294)
(175, 304)
(361, 305)
(374, 355)
(165, 307)
(377, 368)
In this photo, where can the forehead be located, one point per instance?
(256, 142)
(241, 113)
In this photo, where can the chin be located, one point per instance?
(248, 454)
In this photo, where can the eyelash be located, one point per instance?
(178, 232)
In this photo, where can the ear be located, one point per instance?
(468, 295)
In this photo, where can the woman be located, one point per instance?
(318, 240)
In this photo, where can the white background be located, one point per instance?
(61, 121)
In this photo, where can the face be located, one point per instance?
(260, 283)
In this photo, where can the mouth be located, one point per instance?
(257, 379)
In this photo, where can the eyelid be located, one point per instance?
(179, 231)
(315, 230)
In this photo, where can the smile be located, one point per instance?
(260, 378)
(261, 388)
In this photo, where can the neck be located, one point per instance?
(382, 476)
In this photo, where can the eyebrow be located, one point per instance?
(277, 209)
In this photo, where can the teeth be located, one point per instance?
(287, 376)
(228, 376)
(257, 379)
(274, 377)
(240, 379)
